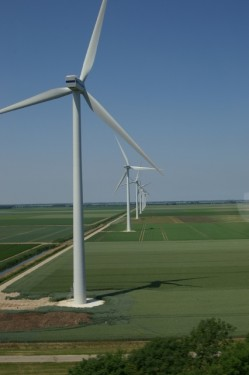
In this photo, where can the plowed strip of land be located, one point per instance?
(164, 234)
(142, 233)
(176, 220)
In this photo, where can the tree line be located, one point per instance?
(207, 350)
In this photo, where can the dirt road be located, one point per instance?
(44, 358)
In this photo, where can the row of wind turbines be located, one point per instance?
(77, 88)
(141, 193)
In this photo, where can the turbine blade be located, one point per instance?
(110, 121)
(142, 186)
(123, 153)
(141, 168)
(137, 176)
(121, 180)
(43, 97)
(92, 48)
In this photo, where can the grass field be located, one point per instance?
(24, 349)
(153, 285)
(35, 368)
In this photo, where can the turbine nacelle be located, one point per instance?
(74, 83)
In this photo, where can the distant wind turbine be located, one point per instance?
(136, 181)
(126, 175)
(76, 87)
(139, 194)
(142, 196)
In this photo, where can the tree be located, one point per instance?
(160, 357)
(208, 340)
(234, 361)
(206, 351)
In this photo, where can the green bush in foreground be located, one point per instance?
(160, 357)
(208, 350)
(108, 364)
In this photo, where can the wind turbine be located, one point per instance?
(126, 175)
(139, 194)
(142, 195)
(76, 87)
(144, 198)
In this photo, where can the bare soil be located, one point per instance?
(27, 321)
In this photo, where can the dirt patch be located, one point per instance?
(10, 322)
(159, 220)
(196, 219)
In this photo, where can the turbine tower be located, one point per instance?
(126, 175)
(76, 87)
(137, 194)
(144, 200)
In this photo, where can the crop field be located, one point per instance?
(154, 284)
(183, 223)
(27, 228)
(35, 368)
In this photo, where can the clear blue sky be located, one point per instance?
(174, 73)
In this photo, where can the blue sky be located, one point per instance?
(174, 73)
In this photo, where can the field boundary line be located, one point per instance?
(142, 233)
(198, 231)
(164, 234)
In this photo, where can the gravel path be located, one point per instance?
(44, 358)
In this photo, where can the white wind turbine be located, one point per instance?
(142, 196)
(136, 181)
(126, 175)
(76, 87)
(139, 194)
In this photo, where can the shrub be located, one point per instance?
(107, 364)
(206, 351)
(208, 339)
(160, 357)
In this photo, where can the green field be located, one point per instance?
(8, 251)
(155, 286)
(35, 368)
(183, 223)
(26, 228)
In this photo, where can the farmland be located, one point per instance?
(180, 264)
(182, 223)
(26, 231)
(46, 224)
